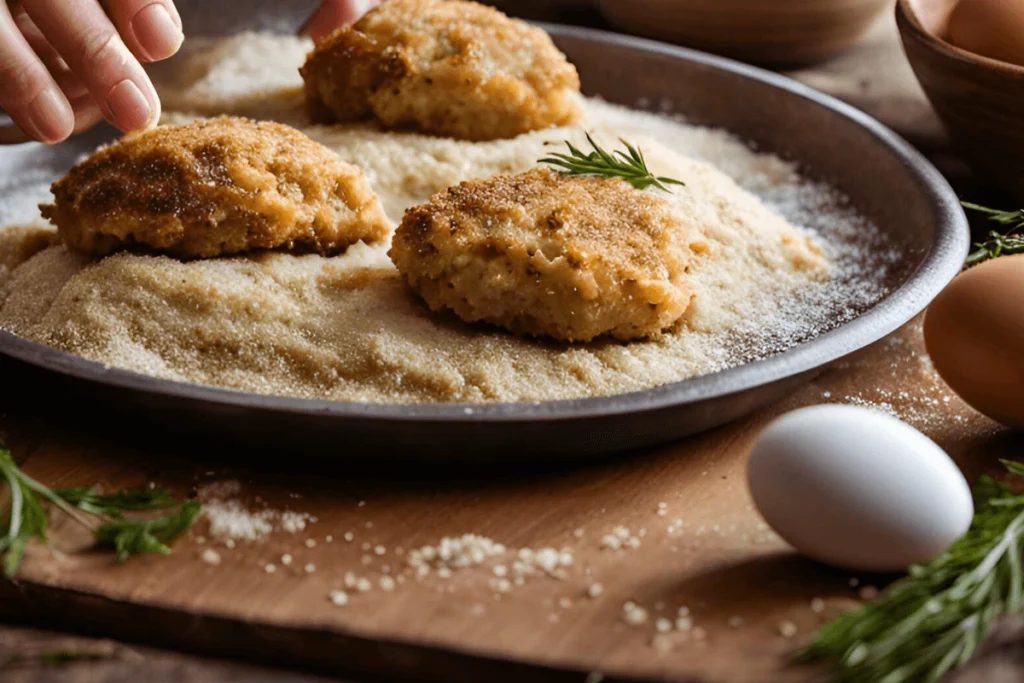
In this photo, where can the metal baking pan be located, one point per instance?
(883, 176)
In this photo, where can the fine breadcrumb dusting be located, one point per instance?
(633, 614)
(231, 520)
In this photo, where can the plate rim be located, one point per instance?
(940, 265)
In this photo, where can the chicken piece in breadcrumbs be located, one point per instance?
(215, 187)
(543, 254)
(445, 67)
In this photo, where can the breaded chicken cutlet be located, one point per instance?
(214, 187)
(544, 254)
(445, 67)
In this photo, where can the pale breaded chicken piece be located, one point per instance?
(543, 254)
(445, 67)
(214, 187)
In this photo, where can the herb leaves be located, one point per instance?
(27, 516)
(89, 499)
(931, 622)
(147, 536)
(628, 165)
(998, 243)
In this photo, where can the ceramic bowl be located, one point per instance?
(775, 32)
(980, 100)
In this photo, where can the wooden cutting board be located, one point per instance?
(703, 547)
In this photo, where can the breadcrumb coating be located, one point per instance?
(542, 254)
(215, 187)
(445, 67)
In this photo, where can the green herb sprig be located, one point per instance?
(931, 621)
(998, 243)
(147, 536)
(27, 518)
(89, 499)
(628, 165)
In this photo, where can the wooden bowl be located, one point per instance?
(775, 32)
(542, 10)
(980, 100)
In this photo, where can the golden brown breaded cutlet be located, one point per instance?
(445, 67)
(213, 187)
(543, 254)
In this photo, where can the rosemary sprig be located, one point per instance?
(998, 243)
(628, 165)
(89, 499)
(995, 246)
(931, 621)
(27, 519)
(147, 536)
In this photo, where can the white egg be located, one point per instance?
(858, 489)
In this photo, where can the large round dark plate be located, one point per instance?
(885, 179)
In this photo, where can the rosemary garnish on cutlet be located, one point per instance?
(628, 165)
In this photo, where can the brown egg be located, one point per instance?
(992, 28)
(974, 331)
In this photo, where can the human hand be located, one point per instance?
(335, 13)
(65, 64)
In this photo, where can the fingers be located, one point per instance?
(333, 14)
(67, 81)
(86, 113)
(27, 91)
(90, 45)
(150, 28)
(41, 90)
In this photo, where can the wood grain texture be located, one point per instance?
(237, 610)
(22, 653)
(720, 561)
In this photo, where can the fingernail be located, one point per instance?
(50, 116)
(129, 108)
(158, 35)
(175, 15)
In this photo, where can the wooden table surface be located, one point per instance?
(743, 586)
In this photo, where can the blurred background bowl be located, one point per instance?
(980, 100)
(546, 10)
(770, 32)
